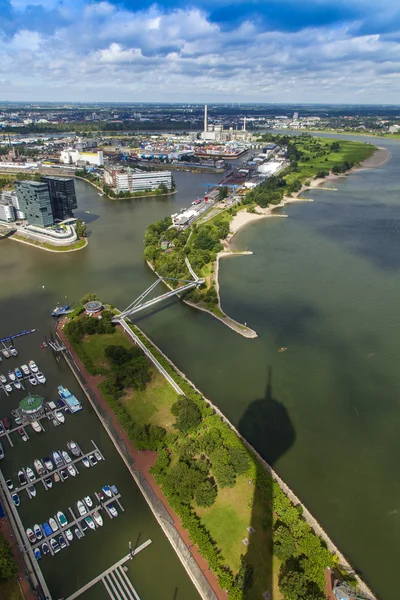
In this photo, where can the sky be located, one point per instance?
(308, 51)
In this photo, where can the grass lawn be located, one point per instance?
(235, 510)
(153, 405)
(94, 345)
(9, 590)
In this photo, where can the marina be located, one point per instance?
(57, 470)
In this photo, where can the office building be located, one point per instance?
(62, 196)
(34, 201)
(127, 180)
(73, 157)
(7, 211)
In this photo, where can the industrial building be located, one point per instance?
(134, 180)
(34, 200)
(216, 133)
(62, 196)
(72, 156)
(9, 207)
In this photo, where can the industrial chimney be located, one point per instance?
(205, 119)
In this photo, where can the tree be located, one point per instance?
(239, 459)
(244, 578)
(284, 544)
(117, 354)
(162, 188)
(205, 493)
(90, 296)
(81, 228)
(8, 566)
(187, 413)
(182, 480)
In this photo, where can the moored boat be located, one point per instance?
(98, 518)
(112, 510)
(30, 474)
(15, 499)
(33, 366)
(98, 455)
(88, 501)
(18, 373)
(48, 463)
(48, 483)
(36, 426)
(32, 380)
(69, 535)
(40, 377)
(71, 470)
(3, 379)
(11, 375)
(107, 490)
(25, 370)
(37, 531)
(13, 351)
(54, 545)
(81, 508)
(1, 451)
(22, 434)
(85, 462)
(63, 474)
(21, 477)
(62, 542)
(74, 448)
(45, 548)
(78, 533)
(90, 522)
(92, 460)
(57, 459)
(31, 535)
(9, 484)
(40, 470)
(66, 457)
(114, 489)
(17, 385)
(62, 519)
(59, 416)
(31, 491)
(72, 403)
(37, 553)
(53, 524)
(56, 477)
(47, 529)
(5, 353)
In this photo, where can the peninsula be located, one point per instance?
(178, 252)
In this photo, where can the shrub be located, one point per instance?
(205, 494)
(188, 415)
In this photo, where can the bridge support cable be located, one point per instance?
(139, 305)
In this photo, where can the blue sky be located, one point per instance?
(201, 51)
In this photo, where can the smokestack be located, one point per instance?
(244, 124)
(205, 118)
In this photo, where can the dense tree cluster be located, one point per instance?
(130, 367)
(8, 566)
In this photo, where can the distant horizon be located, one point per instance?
(209, 103)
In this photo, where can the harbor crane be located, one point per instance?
(139, 304)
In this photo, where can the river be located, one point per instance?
(323, 283)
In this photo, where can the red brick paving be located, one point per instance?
(144, 459)
(5, 529)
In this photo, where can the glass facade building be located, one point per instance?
(62, 196)
(34, 201)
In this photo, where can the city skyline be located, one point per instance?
(206, 51)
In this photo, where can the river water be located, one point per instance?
(324, 283)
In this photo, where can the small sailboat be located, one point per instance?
(54, 545)
(90, 523)
(16, 500)
(81, 508)
(37, 531)
(62, 519)
(98, 518)
(31, 535)
(88, 501)
(69, 535)
(71, 470)
(53, 524)
(66, 457)
(45, 548)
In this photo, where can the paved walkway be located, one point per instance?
(144, 460)
(5, 529)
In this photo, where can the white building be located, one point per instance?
(72, 156)
(127, 180)
(7, 212)
(11, 199)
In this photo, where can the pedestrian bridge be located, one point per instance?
(140, 303)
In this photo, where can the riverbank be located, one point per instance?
(79, 245)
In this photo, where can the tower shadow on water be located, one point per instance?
(267, 426)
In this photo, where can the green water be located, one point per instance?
(324, 283)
